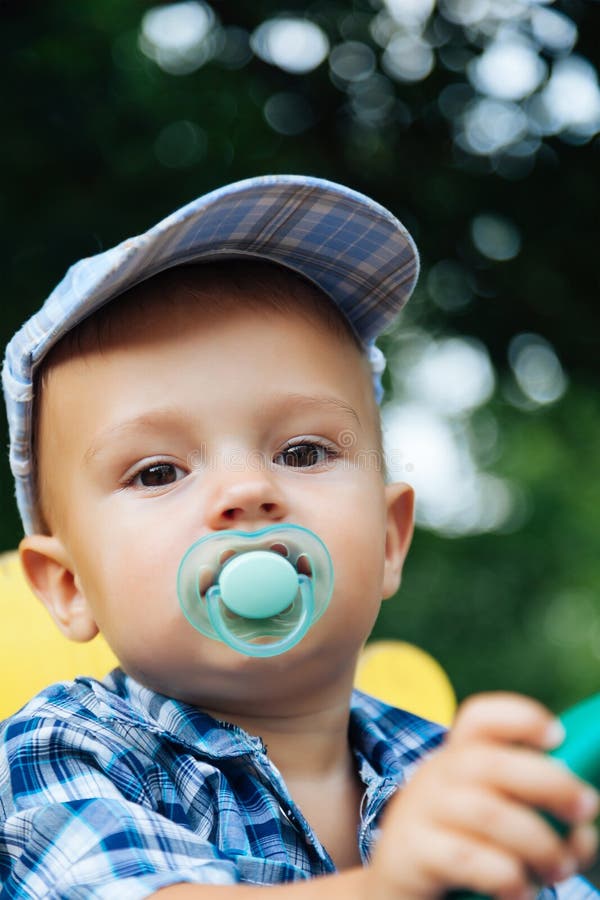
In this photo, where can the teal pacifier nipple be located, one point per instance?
(258, 584)
(259, 592)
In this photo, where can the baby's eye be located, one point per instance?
(305, 455)
(157, 475)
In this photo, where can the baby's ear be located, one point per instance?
(49, 572)
(400, 501)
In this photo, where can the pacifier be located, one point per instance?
(256, 591)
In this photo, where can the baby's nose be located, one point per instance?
(251, 498)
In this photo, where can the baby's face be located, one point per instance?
(202, 421)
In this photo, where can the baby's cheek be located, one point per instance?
(359, 564)
(368, 570)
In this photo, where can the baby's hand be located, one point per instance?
(468, 818)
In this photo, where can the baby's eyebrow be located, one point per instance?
(309, 400)
(155, 420)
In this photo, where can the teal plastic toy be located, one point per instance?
(259, 592)
(580, 751)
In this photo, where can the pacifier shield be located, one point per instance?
(258, 584)
(259, 592)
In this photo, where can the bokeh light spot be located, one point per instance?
(288, 113)
(373, 100)
(495, 237)
(537, 369)
(352, 61)
(180, 144)
(554, 31)
(235, 51)
(465, 12)
(449, 286)
(508, 69)
(410, 13)
(295, 45)
(491, 125)
(408, 57)
(179, 36)
(571, 98)
(453, 375)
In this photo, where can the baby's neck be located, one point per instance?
(307, 737)
(331, 805)
(310, 743)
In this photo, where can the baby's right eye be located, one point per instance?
(157, 475)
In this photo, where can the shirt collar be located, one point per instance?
(390, 740)
(120, 698)
(384, 739)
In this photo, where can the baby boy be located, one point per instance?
(218, 375)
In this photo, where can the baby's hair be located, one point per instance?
(259, 285)
(262, 286)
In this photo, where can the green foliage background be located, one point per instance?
(81, 113)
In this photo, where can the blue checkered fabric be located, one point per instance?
(105, 783)
(348, 245)
(110, 790)
(576, 889)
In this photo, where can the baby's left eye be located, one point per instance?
(302, 456)
(157, 475)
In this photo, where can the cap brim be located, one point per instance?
(344, 242)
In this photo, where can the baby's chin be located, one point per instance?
(218, 678)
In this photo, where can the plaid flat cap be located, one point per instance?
(352, 248)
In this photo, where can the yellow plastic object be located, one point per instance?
(406, 676)
(33, 653)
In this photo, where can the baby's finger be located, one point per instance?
(458, 860)
(528, 777)
(515, 828)
(508, 718)
(583, 843)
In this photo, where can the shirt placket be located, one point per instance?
(318, 859)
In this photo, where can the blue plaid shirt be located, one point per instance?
(104, 782)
